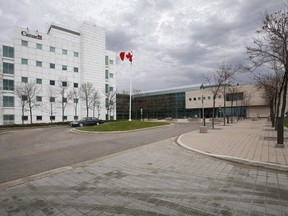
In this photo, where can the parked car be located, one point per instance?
(87, 121)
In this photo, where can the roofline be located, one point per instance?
(63, 29)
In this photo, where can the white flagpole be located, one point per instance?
(130, 91)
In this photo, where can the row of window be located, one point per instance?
(51, 49)
(8, 101)
(8, 85)
(204, 98)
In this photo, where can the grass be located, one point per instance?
(122, 126)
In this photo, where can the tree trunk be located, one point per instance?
(213, 112)
(284, 96)
(31, 121)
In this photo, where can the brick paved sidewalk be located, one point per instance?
(245, 141)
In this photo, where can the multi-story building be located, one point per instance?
(55, 63)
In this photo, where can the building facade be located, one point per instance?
(56, 64)
(186, 102)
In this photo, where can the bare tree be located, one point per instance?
(95, 102)
(20, 93)
(110, 102)
(87, 91)
(271, 45)
(51, 92)
(76, 97)
(65, 95)
(27, 92)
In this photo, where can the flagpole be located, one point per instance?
(130, 91)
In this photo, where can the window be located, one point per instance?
(39, 118)
(52, 118)
(8, 101)
(106, 60)
(111, 62)
(24, 79)
(199, 98)
(25, 118)
(204, 98)
(38, 81)
(190, 99)
(8, 85)
(75, 85)
(52, 49)
(106, 74)
(24, 61)
(24, 98)
(76, 54)
(38, 98)
(106, 88)
(64, 51)
(194, 99)
(64, 100)
(64, 67)
(8, 119)
(111, 89)
(64, 84)
(8, 51)
(52, 66)
(38, 46)
(8, 68)
(75, 69)
(111, 75)
(64, 118)
(38, 63)
(52, 99)
(209, 97)
(76, 100)
(219, 96)
(52, 82)
(24, 43)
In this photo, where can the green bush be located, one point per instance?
(33, 125)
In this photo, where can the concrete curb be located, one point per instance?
(279, 167)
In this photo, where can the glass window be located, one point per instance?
(75, 69)
(24, 97)
(38, 46)
(106, 74)
(24, 61)
(209, 97)
(52, 82)
(111, 89)
(76, 100)
(106, 88)
(106, 60)
(38, 63)
(52, 66)
(39, 118)
(39, 98)
(24, 79)
(25, 118)
(24, 43)
(8, 101)
(111, 75)
(64, 51)
(52, 99)
(8, 85)
(8, 51)
(194, 99)
(8, 119)
(64, 100)
(199, 98)
(52, 118)
(38, 81)
(111, 62)
(75, 85)
(76, 54)
(64, 67)
(219, 96)
(52, 49)
(8, 68)
(64, 84)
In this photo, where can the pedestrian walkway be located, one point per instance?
(247, 141)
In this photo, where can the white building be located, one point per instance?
(61, 58)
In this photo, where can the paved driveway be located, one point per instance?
(156, 179)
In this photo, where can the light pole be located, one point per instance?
(202, 89)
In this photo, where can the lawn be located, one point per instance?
(122, 126)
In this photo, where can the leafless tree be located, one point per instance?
(76, 97)
(110, 102)
(95, 102)
(271, 45)
(66, 95)
(87, 91)
(51, 93)
(27, 92)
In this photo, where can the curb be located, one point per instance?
(234, 159)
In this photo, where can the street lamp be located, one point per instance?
(202, 89)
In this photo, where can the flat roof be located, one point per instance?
(63, 29)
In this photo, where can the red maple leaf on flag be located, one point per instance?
(128, 56)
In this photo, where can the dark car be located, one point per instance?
(87, 121)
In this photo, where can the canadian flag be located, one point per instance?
(128, 55)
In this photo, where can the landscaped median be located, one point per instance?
(117, 126)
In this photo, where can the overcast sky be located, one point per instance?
(173, 41)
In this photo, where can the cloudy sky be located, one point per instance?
(174, 42)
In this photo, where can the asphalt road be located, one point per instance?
(31, 151)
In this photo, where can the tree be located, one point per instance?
(86, 94)
(95, 103)
(76, 96)
(51, 92)
(27, 92)
(66, 95)
(110, 102)
(271, 46)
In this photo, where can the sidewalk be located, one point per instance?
(250, 142)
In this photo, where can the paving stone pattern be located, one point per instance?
(157, 179)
